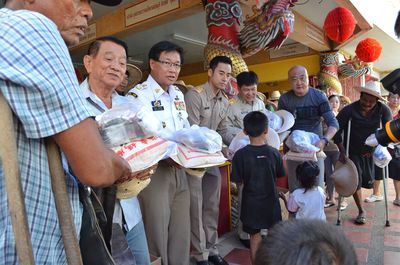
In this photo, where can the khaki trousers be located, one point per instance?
(204, 210)
(165, 209)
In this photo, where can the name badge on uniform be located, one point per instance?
(156, 105)
(180, 105)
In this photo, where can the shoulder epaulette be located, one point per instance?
(141, 86)
(232, 101)
(224, 94)
(198, 89)
(132, 94)
(176, 88)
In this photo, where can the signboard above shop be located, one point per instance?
(148, 9)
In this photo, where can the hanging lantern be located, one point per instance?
(339, 24)
(368, 50)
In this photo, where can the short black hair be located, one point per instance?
(94, 47)
(255, 123)
(307, 173)
(165, 46)
(247, 79)
(219, 59)
(305, 242)
(332, 96)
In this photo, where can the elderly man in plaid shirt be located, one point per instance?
(39, 83)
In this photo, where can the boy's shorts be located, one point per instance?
(253, 231)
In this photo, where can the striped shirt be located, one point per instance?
(38, 81)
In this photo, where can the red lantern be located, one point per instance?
(339, 24)
(368, 50)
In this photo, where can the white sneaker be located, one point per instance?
(373, 198)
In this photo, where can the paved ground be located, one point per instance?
(374, 243)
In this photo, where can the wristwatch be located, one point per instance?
(325, 139)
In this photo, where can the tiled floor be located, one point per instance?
(374, 243)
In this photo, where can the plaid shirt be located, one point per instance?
(38, 81)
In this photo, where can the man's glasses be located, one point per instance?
(169, 64)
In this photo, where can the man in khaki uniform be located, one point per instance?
(207, 107)
(246, 101)
(165, 202)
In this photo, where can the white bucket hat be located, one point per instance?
(372, 88)
(273, 139)
(287, 120)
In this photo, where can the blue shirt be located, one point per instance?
(308, 110)
(39, 83)
(130, 207)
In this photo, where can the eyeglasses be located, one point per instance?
(169, 64)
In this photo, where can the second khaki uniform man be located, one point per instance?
(207, 107)
(245, 102)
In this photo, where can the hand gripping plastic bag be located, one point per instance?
(381, 156)
(302, 142)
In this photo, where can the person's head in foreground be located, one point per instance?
(305, 242)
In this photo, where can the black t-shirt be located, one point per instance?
(361, 127)
(257, 167)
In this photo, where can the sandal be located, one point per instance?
(360, 219)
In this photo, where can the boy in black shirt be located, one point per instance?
(257, 166)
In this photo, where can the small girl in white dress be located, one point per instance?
(308, 201)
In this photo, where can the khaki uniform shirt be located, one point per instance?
(237, 110)
(207, 110)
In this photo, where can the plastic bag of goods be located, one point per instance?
(238, 142)
(381, 156)
(144, 153)
(199, 138)
(126, 122)
(302, 142)
(189, 158)
(274, 121)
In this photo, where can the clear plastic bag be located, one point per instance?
(238, 142)
(127, 122)
(302, 141)
(381, 156)
(197, 138)
(274, 121)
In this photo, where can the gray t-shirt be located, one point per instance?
(308, 110)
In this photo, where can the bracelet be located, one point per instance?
(325, 139)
